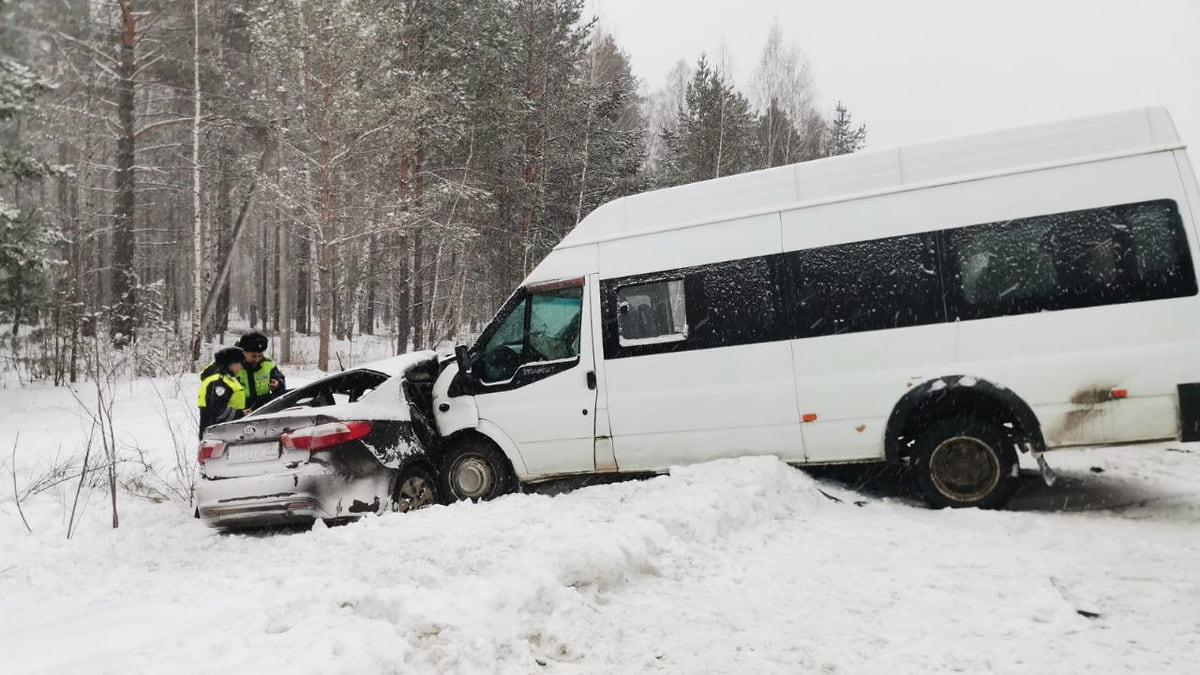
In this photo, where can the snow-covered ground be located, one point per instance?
(740, 566)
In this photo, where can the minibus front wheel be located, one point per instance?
(474, 469)
(965, 462)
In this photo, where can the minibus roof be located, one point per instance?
(865, 174)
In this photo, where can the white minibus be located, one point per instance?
(946, 305)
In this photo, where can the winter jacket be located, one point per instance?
(221, 398)
(256, 381)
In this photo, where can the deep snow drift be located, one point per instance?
(737, 566)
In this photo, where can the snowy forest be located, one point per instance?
(366, 167)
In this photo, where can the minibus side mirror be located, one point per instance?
(460, 357)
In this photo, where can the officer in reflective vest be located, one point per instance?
(260, 377)
(222, 397)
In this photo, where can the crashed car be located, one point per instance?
(349, 444)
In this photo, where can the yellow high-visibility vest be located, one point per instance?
(237, 401)
(258, 383)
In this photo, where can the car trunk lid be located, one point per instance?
(252, 447)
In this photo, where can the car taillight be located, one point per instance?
(324, 436)
(209, 450)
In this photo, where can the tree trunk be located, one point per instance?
(406, 274)
(403, 297)
(197, 223)
(432, 327)
(284, 287)
(325, 303)
(123, 324)
(418, 290)
(18, 299)
(302, 269)
(77, 258)
(227, 262)
(418, 269)
(366, 319)
(224, 238)
(324, 226)
(260, 264)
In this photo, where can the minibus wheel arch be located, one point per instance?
(486, 432)
(486, 462)
(959, 396)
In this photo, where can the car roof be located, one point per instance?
(396, 365)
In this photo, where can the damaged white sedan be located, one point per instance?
(346, 445)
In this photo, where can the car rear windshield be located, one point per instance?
(347, 387)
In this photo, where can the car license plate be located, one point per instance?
(253, 452)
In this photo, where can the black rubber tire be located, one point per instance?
(963, 462)
(403, 495)
(475, 458)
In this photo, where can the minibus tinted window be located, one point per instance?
(1069, 260)
(1007, 264)
(651, 312)
(864, 285)
(738, 303)
(1163, 263)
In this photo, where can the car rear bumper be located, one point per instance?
(293, 497)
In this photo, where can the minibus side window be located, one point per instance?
(1163, 263)
(651, 313)
(554, 325)
(1007, 266)
(1089, 258)
(863, 286)
(502, 354)
(738, 303)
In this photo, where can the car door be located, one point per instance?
(536, 380)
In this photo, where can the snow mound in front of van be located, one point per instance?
(465, 588)
(499, 586)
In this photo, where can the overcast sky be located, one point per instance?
(915, 70)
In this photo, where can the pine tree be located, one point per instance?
(26, 239)
(843, 138)
(782, 141)
(614, 131)
(715, 136)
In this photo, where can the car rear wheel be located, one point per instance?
(964, 462)
(415, 489)
(475, 470)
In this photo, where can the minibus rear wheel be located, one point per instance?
(965, 462)
(475, 470)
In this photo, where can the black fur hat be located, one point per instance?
(253, 342)
(228, 356)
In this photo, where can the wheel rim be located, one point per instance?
(414, 493)
(473, 477)
(965, 469)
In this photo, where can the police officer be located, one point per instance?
(260, 377)
(222, 397)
